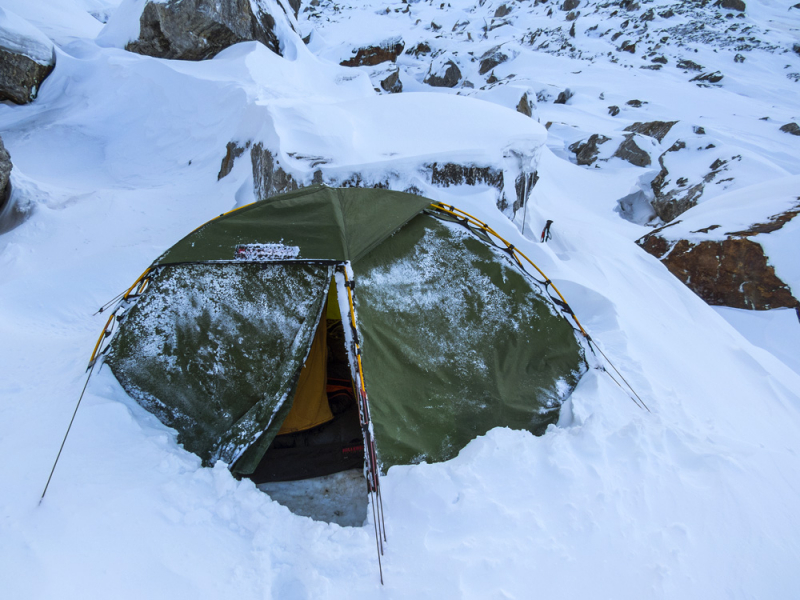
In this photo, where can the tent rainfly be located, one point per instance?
(243, 336)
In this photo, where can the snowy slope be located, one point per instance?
(118, 158)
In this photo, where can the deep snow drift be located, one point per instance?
(118, 158)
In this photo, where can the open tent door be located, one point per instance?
(315, 465)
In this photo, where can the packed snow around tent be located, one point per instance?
(551, 115)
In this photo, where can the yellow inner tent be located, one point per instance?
(310, 405)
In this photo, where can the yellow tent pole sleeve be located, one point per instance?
(100, 339)
(141, 277)
(142, 281)
(457, 212)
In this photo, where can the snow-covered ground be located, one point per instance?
(118, 158)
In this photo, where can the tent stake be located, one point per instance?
(64, 441)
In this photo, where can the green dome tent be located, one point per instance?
(243, 336)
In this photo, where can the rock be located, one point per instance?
(232, 152)
(714, 77)
(689, 65)
(572, 28)
(792, 128)
(635, 103)
(446, 75)
(738, 58)
(731, 5)
(525, 106)
(269, 179)
(522, 187)
(370, 56)
(670, 201)
(667, 14)
(5, 174)
(502, 11)
(491, 59)
(662, 60)
(628, 46)
(448, 174)
(648, 15)
(697, 129)
(586, 151)
(613, 110)
(295, 5)
(563, 96)
(392, 83)
(631, 152)
(653, 129)
(569, 5)
(421, 48)
(199, 29)
(27, 57)
(492, 79)
(732, 272)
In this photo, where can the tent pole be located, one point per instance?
(64, 441)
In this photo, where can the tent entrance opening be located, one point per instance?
(314, 466)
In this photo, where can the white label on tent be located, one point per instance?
(266, 252)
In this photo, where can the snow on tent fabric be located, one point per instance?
(250, 359)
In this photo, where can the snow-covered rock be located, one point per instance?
(196, 29)
(430, 140)
(443, 73)
(27, 57)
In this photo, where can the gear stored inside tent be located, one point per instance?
(243, 337)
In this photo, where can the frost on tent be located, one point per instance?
(457, 339)
(266, 252)
(212, 349)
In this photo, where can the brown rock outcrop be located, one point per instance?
(370, 56)
(733, 272)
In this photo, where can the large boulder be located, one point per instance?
(27, 57)
(490, 59)
(443, 74)
(586, 151)
(630, 151)
(199, 29)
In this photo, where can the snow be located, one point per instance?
(20, 37)
(123, 25)
(63, 21)
(777, 331)
(118, 158)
